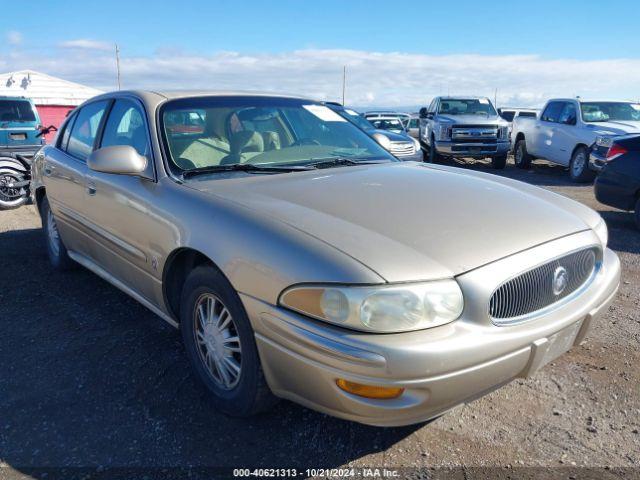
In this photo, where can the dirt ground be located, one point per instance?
(89, 378)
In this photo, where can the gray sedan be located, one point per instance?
(300, 260)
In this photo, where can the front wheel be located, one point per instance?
(220, 344)
(521, 157)
(14, 191)
(498, 163)
(434, 156)
(579, 166)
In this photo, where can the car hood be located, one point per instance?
(473, 119)
(409, 221)
(616, 128)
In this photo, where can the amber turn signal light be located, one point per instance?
(369, 391)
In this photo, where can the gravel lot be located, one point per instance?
(92, 379)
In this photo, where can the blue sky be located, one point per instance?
(225, 38)
(560, 28)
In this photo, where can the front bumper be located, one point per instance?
(468, 149)
(596, 162)
(440, 367)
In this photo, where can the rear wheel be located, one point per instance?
(579, 166)
(220, 344)
(521, 157)
(498, 163)
(13, 192)
(57, 252)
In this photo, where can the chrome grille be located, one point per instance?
(541, 287)
(474, 132)
(401, 149)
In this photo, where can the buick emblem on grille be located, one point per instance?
(560, 280)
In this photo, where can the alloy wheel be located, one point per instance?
(217, 341)
(579, 162)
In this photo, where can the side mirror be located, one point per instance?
(423, 113)
(570, 121)
(119, 160)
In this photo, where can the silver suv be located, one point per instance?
(464, 127)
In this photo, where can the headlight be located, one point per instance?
(380, 308)
(504, 132)
(416, 143)
(604, 141)
(602, 232)
(383, 140)
(443, 132)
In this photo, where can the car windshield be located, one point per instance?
(16, 111)
(214, 133)
(610, 111)
(357, 119)
(393, 124)
(471, 106)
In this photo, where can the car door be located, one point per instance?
(545, 130)
(120, 208)
(65, 168)
(564, 140)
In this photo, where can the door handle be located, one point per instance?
(91, 188)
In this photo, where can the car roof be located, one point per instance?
(589, 100)
(14, 97)
(461, 97)
(152, 98)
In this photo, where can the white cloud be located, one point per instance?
(13, 37)
(86, 44)
(373, 78)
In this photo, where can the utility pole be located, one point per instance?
(495, 98)
(344, 81)
(118, 64)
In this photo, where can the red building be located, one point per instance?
(53, 97)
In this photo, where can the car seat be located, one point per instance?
(242, 142)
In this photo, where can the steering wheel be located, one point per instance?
(305, 141)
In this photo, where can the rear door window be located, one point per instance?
(85, 129)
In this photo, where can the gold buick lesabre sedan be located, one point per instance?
(300, 260)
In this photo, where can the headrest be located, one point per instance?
(246, 141)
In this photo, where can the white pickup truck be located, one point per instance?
(567, 128)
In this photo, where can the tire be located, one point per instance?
(57, 252)
(12, 197)
(579, 166)
(521, 157)
(498, 163)
(434, 157)
(226, 342)
(637, 214)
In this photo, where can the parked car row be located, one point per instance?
(282, 240)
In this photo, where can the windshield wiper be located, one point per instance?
(242, 167)
(336, 162)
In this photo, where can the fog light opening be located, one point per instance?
(369, 391)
